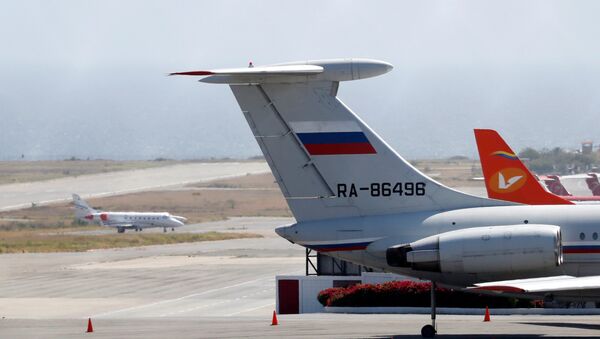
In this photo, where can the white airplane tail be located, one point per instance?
(82, 208)
(327, 161)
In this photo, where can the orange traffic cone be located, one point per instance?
(274, 321)
(487, 314)
(90, 328)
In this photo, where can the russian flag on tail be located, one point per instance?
(332, 137)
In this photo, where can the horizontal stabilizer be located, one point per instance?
(332, 70)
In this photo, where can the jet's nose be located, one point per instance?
(176, 222)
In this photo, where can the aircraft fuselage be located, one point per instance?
(136, 220)
(364, 240)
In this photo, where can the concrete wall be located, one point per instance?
(310, 286)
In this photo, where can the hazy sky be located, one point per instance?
(87, 78)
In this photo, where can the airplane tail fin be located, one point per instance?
(82, 209)
(555, 186)
(327, 161)
(593, 183)
(506, 177)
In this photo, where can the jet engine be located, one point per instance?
(491, 249)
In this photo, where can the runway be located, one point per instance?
(196, 279)
(16, 196)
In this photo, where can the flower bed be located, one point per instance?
(413, 294)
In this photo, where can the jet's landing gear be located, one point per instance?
(164, 229)
(120, 229)
(429, 331)
(172, 229)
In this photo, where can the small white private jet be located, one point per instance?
(126, 220)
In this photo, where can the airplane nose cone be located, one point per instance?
(175, 223)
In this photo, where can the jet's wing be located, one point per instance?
(562, 285)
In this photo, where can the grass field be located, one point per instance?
(52, 240)
(453, 173)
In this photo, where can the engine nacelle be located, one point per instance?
(492, 249)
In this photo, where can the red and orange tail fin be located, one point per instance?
(506, 177)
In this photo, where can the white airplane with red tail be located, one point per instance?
(126, 220)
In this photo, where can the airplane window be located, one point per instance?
(595, 236)
(582, 236)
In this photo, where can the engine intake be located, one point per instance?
(492, 249)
